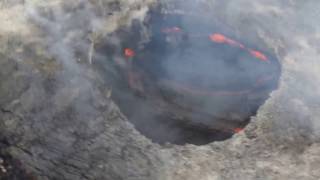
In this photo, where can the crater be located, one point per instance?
(195, 81)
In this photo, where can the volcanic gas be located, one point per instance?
(192, 82)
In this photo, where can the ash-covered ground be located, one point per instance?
(59, 121)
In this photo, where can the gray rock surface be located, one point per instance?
(60, 123)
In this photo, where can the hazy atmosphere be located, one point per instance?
(159, 90)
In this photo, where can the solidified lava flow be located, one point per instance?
(192, 83)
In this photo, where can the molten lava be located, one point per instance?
(198, 82)
(219, 38)
(258, 55)
(237, 130)
(129, 53)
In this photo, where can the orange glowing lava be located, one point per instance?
(258, 55)
(218, 38)
(129, 52)
(237, 130)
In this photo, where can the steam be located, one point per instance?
(289, 25)
(193, 65)
(69, 30)
(207, 65)
(66, 31)
(73, 27)
(271, 26)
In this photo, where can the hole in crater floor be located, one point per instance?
(193, 82)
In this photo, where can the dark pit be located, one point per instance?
(193, 82)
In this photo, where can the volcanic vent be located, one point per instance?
(194, 82)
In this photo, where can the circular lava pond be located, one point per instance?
(193, 85)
